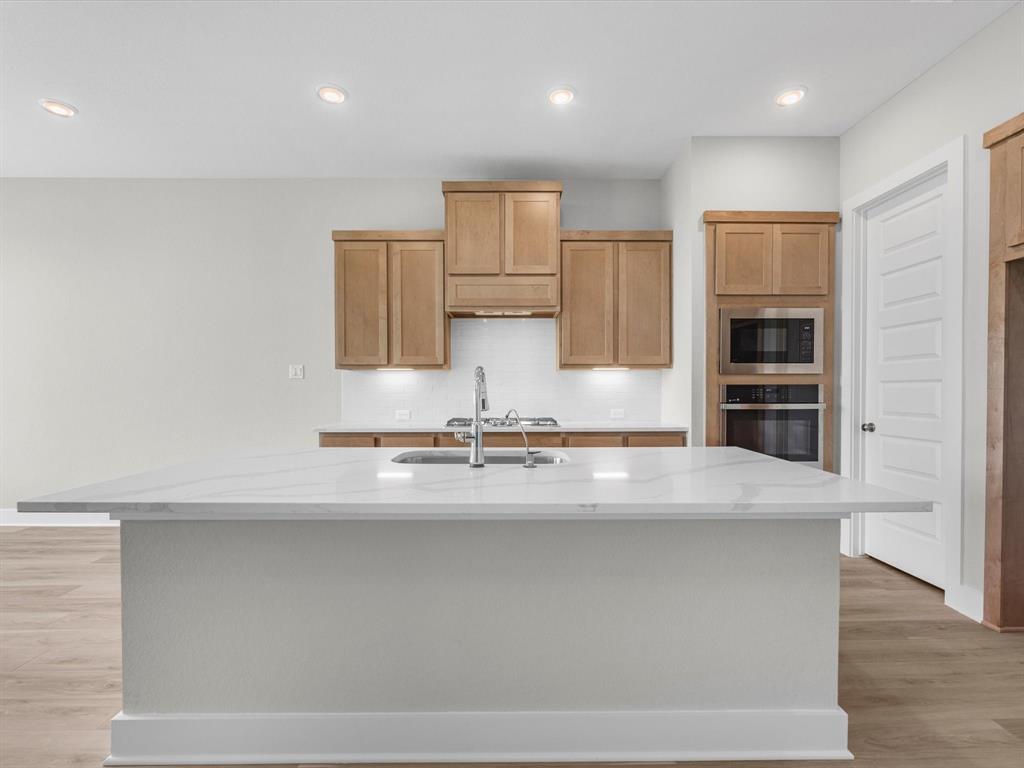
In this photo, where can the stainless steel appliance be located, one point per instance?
(781, 420)
(771, 340)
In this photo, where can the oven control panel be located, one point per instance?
(771, 393)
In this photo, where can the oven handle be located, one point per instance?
(772, 406)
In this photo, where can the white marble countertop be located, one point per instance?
(596, 483)
(612, 425)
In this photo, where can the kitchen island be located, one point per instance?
(628, 604)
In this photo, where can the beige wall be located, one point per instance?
(148, 322)
(977, 87)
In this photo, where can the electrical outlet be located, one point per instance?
(618, 413)
(296, 371)
(402, 415)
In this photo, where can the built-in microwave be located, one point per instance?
(782, 420)
(771, 340)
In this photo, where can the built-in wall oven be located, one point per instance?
(771, 340)
(782, 420)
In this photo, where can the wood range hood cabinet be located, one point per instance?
(502, 248)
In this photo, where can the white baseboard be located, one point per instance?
(11, 516)
(479, 737)
(970, 601)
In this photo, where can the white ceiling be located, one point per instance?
(442, 89)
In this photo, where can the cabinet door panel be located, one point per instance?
(539, 292)
(407, 441)
(743, 258)
(584, 440)
(531, 233)
(1015, 190)
(360, 303)
(418, 322)
(587, 324)
(644, 304)
(656, 440)
(335, 440)
(800, 259)
(473, 227)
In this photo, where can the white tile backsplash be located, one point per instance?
(519, 355)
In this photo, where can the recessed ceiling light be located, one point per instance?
(791, 96)
(59, 108)
(332, 94)
(561, 96)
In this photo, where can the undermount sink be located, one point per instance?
(508, 456)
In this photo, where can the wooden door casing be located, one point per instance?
(361, 303)
(531, 225)
(586, 326)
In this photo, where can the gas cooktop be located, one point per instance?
(528, 421)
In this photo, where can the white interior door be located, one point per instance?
(912, 346)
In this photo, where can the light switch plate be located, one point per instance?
(618, 413)
(402, 415)
(296, 371)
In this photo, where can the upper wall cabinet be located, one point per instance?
(502, 247)
(1014, 223)
(616, 302)
(773, 258)
(389, 302)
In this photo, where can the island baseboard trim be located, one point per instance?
(479, 737)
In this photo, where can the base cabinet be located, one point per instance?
(506, 440)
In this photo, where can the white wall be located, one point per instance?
(974, 89)
(146, 322)
(735, 173)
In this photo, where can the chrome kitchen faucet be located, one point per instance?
(480, 404)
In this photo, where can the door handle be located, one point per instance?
(869, 427)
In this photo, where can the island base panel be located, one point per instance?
(367, 641)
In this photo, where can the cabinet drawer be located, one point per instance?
(334, 440)
(506, 440)
(656, 440)
(484, 292)
(419, 440)
(594, 441)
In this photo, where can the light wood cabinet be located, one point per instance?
(800, 257)
(361, 304)
(616, 304)
(584, 440)
(586, 326)
(531, 233)
(743, 258)
(502, 254)
(1014, 204)
(389, 304)
(503, 294)
(506, 440)
(473, 232)
(418, 325)
(788, 258)
(644, 304)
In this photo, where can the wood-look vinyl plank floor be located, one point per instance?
(923, 686)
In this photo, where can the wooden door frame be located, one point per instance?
(948, 160)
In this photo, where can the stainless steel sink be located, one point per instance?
(509, 456)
